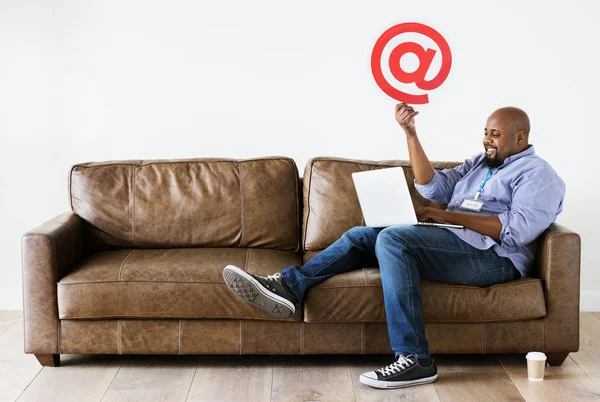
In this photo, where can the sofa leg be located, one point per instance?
(556, 359)
(49, 360)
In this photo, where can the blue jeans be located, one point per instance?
(405, 254)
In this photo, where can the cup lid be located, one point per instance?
(536, 356)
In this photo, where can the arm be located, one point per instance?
(486, 225)
(48, 253)
(536, 200)
(405, 116)
(434, 185)
(418, 160)
(441, 187)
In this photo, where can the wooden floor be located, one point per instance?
(284, 378)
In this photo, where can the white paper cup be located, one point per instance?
(536, 364)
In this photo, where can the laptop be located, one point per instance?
(385, 199)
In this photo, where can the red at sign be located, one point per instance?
(425, 57)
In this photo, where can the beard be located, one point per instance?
(491, 163)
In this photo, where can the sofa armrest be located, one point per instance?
(559, 255)
(48, 253)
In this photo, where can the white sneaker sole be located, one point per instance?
(395, 384)
(249, 289)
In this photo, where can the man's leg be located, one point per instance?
(406, 255)
(410, 253)
(279, 293)
(355, 249)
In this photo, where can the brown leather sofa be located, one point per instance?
(136, 268)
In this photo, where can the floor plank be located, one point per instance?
(79, 378)
(17, 368)
(5, 327)
(476, 386)
(233, 378)
(588, 356)
(364, 393)
(312, 378)
(589, 321)
(152, 378)
(561, 383)
(10, 315)
(140, 395)
(286, 378)
(468, 362)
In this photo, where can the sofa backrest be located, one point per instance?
(204, 202)
(331, 205)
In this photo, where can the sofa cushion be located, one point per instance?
(357, 296)
(331, 205)
(204, 202)
(165, 283)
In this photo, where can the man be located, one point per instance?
(505, 198)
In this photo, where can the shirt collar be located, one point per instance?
(529, 151)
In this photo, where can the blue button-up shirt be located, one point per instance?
(526, 194)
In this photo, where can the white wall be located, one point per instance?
(101, 80)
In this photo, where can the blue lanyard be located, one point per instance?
(490, 173)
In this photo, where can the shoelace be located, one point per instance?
(397, 366)
(273, 277)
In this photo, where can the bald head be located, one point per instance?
(506, 134)
(516, 118)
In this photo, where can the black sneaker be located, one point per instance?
(404, 372)
(267, 292)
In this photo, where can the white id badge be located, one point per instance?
(472, 205)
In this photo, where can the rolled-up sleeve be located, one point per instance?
(537, 200)
(441, 186)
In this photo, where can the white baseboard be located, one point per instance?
(11, 299)
(590, 301)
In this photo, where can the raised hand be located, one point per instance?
(405, 116)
